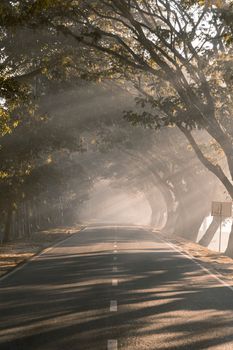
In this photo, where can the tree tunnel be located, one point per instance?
(109, 204)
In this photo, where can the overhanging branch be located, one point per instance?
(215, 169)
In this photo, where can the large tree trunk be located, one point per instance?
(168, 197)
(160, 220)
(210, 232)
(193, 205)
(225, 142)
(7, 231)
(189, 221)
(179, 222)
(17, 226)
(154, 218)
(170, 223)
(150, 196)
(171, 211)
(26, 220)
(229, 250)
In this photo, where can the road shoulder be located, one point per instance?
(216, 263)
(16, 253)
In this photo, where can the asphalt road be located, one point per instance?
(114, 288)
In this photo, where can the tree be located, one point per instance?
(161, 48)
(165, 41)
(159, 159)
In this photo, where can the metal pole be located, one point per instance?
(220, 234)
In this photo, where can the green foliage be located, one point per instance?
(169, 57)
(226, 14)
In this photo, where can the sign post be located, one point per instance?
(222, 210)
(220, 234)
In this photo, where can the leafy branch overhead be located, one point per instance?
(175, 57)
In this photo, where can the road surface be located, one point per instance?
(114, 288)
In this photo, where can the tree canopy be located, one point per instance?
(174, 57)
(173, 52)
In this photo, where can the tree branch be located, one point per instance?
(215, 169)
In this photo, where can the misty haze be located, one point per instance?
(116, 174)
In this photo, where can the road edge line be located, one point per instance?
(194, 260)
(24, 263)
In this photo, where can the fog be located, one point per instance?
(111, 172)
(113, 206)
(116, 137)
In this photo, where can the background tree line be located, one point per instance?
(174, 58)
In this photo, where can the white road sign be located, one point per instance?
(223, 209)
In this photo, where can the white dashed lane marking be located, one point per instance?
(115, 282)
(112, 344)
(113, 305)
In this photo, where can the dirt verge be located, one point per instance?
(20, 251)
(217, 263)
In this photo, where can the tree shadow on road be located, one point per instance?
(165, 302)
